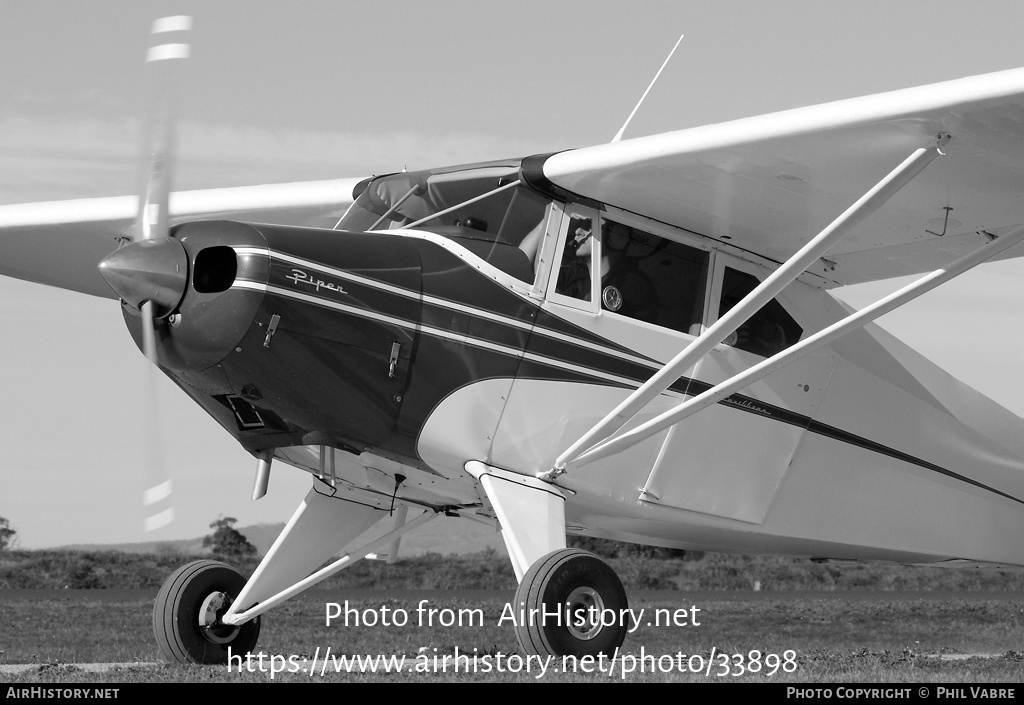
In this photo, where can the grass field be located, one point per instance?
(855, 637)
(491, 570)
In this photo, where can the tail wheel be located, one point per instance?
(574, 605)
(188, 610)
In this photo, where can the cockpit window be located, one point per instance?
(768, 331)
(651, 278)
(503, 227)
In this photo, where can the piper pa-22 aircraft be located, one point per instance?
(633, 341)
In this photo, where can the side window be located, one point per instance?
(768, 331)
(651, 278)
(574, 274)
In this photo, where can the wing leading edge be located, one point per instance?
(769, 184)
(60, 243)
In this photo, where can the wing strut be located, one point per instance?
(751, 304)
(822, 337)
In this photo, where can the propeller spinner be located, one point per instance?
(153, 271)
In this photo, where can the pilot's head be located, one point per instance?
(474, 224)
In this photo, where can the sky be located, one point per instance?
(315, 89)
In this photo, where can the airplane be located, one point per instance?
(634, 340)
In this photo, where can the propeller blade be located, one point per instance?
(151, 273)
(156, 497)
(149, 333)
(163, 66)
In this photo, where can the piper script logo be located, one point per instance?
(301, 277)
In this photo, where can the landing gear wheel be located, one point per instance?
(186, 616)
(584, 602)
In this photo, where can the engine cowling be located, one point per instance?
(211, 314)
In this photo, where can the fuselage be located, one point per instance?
(423, 334)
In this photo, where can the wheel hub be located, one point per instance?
(586, 610)
(210, 624)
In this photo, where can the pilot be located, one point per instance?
(767, 338)
(574, 274)
(473, 223)
(634, 294)
(759, 336)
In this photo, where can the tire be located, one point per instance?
(176, 615)
(566, 583)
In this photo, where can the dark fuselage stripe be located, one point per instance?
(535, 327)
(440, 333)
(630, 373)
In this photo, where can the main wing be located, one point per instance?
(768, 184)
(60, 243)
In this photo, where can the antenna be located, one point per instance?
(618, 135)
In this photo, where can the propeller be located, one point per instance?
(150, 273)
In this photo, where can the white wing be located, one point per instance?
(768, 184)
(60, 243)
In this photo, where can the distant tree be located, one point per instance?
(8, 536)
(227, 541)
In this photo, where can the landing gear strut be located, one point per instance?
(569, 602)
(578, 603)
(186, 616)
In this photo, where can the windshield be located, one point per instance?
(504, 227)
